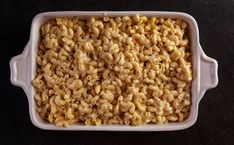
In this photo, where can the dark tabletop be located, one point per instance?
(215, 124)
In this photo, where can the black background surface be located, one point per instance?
(215, 124)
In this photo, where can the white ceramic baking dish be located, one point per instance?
(205, 69)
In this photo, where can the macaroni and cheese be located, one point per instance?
(113, 70)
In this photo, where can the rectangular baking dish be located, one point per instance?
(205, 69)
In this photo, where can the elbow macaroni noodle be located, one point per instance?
(113, 70)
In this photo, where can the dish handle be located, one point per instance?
(19, 69)
(208, 73)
